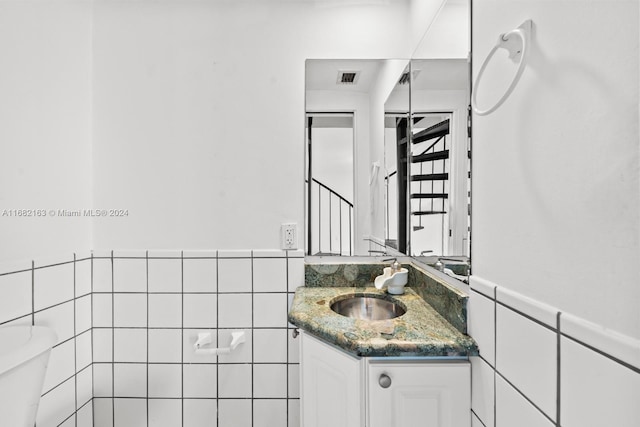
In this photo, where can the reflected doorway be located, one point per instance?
(330, 183)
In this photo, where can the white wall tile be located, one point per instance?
(541, 312)
(56, 405)
(58, 318)
(165, 345)
(102, 380)
(165, 413)
(234, 275)
(129, 380)
(200, 311)
(270, 345)
(84, 384)
(269, 275)
(269, 380)
(200, 380)
(595, 390)
(165, 275)
(294, 381)
(103, 412)
(482, 393)
(102, 345)
(526, 354)
(165, 380)
(295, 270)
(234, 413)
(199, 253)
(85, 416)
(83, 313)
(61, 366)
(69, 422)
(102, 275)
(611, 342)
(270, 310)
(189, 338)
(234, 380)
(130, 412)
(242, 353)
(53, 285)
(129, 275)
(234, 310)
(475, 422)
(482, 286)
(294, 413)
(84, 350)
(130, 345)
(16, 295)
(83, 277)
(269, 413)
(102, 313)
(482, 325)
(513, 410)
(200, 412)
(269, 253)
(130, 310)
(165, 310)
(234, 253)
(200, 275)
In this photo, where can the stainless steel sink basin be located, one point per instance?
(368, 308)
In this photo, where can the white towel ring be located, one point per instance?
(516, 42)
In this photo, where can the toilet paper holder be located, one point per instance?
(204, 338)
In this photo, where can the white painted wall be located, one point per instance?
(199, 113)
(556, 197)
(45, 126)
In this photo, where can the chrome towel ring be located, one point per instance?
(517, 43)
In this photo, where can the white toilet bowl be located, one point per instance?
(24, 354)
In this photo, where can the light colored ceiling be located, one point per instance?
(443, 74)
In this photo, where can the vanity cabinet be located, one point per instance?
(419, 394)
(338, 389)
(330, 386)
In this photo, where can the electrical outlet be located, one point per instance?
(289, 234)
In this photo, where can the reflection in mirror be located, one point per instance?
(396, 130)
(440, 150)
(357, 88)
(330, 183)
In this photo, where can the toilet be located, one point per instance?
(24, 354)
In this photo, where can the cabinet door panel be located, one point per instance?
(420, 395)
(331, 386)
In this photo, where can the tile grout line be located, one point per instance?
(93, 378)
(286, 266)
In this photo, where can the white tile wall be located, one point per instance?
(596, 390)
(512, 409)
(526, 355)
(127, 321)
(55, 293)
(598, 375)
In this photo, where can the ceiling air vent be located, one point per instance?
(404, 78)
(348, 77)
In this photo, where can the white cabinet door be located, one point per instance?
(435, 394)
(331, 386)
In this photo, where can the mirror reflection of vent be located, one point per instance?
(404, 78)
(348, 77)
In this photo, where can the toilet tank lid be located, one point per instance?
(21, 343)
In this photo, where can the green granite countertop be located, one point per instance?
(421, 331)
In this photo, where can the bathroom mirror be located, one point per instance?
(423, 100)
